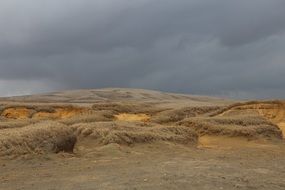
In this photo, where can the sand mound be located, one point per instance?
(127, 133)
(176, 115)
(248, 127)
(95, 116)
(127, 107)
(44, 137)
(60, 113)
(15, 124)
(132, 117)
(17, 113)
(273, 111)
(40, 112)
(127, 123)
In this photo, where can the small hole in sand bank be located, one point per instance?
(281, 125)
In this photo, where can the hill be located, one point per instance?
(127, 124)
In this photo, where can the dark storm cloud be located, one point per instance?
(215, 47)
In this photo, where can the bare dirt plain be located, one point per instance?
(140, 139)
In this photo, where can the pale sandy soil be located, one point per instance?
(156, 166)
(132, 117)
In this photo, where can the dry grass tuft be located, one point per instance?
(95, 116)
(173, 116)
(9, 124)
(44, 137)
(252, 105)
(127, 133)
(249, 127)
(126, 107)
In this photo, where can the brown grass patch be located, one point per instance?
(45, 137)
(95, 116)
(126, 133)
(248, 127)
(15, 123)
(176, 115)
(273, 111)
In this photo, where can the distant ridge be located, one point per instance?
(109, 94)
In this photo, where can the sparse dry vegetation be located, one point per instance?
(95, 116)
(43, 137)
(175, 115)
(22, 130)
(127, 133)
(250, 128)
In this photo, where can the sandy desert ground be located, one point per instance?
(140, 139)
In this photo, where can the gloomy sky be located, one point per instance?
(233, 48)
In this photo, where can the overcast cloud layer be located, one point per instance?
(213, 47)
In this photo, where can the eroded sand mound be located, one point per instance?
(173, 120)
(41, 112)
(132, 117)
(126, 133)
(247, 127)
(273, 111)
(44, 137)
